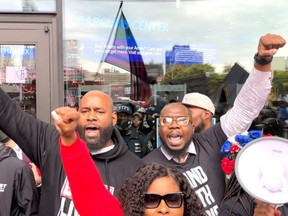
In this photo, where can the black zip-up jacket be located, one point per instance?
(18, 192)
(39, 141)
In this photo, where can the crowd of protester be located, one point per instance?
(129, 159)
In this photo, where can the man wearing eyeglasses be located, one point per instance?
(198, 155)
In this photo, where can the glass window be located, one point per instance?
(28, 6)
(18, 74)
(156, 51)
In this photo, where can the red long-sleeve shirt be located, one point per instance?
(90, 196)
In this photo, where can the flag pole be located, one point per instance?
(109, 38)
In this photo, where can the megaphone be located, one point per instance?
(261, 168)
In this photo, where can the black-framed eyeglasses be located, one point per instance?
(172, 200)
(181, 120)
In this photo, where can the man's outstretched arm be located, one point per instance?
(253, 95)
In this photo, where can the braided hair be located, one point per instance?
(131, 193)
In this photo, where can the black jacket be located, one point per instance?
(18, 192)
(118, 160)
(245, 207)
(234, 207)
(39, 140)
(136, 142)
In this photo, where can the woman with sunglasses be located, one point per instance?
(156, 189)
(153, 190)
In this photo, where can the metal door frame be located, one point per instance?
(51, 25)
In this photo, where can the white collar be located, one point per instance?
(102, 150)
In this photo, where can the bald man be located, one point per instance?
(40, 141)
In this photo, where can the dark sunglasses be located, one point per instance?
(172, 200)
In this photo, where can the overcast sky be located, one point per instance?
(227, 31)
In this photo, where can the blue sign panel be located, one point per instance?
(182, 54)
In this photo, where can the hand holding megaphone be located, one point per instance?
(66, 120)
(265, 209)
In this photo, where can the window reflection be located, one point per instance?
(18, 74)
(28, 6)
(186, 47)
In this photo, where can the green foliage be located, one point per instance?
(214, 80)
(180, 71)
(227, 68)
(173, 72)
(280, 80)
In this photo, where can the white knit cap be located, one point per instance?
(199, 100)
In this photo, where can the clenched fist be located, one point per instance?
(66, 120)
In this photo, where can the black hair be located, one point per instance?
(131, 193)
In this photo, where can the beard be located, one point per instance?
(99, 142)
(199, 128)
(178, 153)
